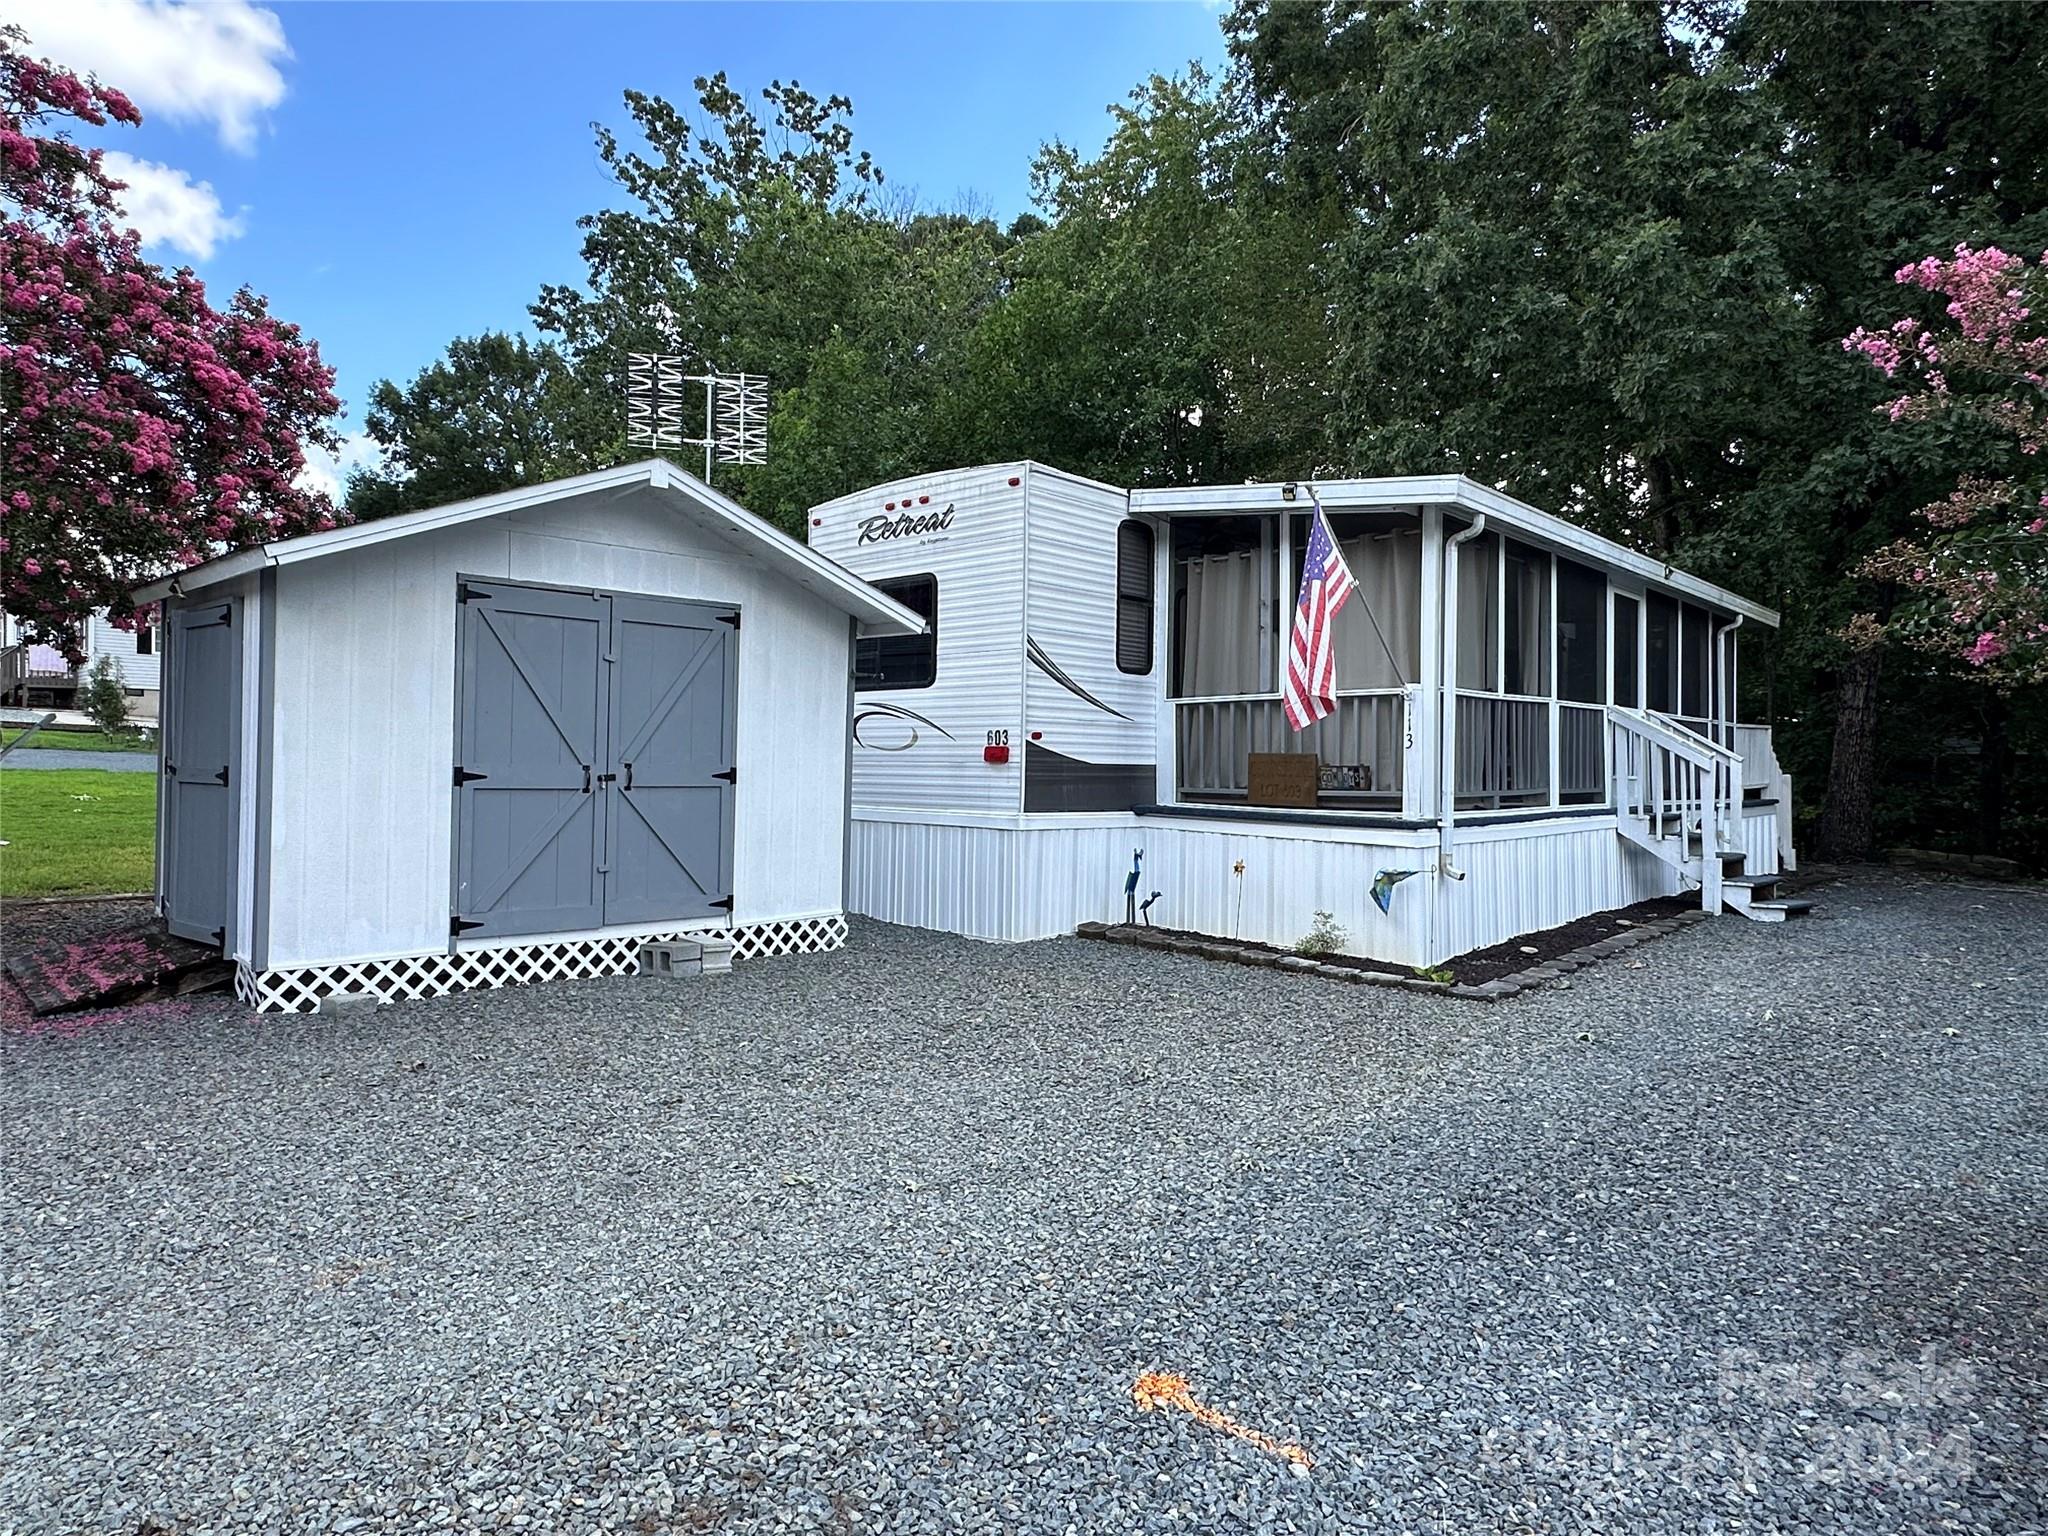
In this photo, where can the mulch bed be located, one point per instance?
(1534, 949)
(1500, 960)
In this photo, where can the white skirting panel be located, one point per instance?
(1019, 881)
(1528, 878)
(956, 878)
(1760, 841)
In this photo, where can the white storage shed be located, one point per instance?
(509, 740)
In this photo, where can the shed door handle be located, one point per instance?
(586, 778)
(629, 776)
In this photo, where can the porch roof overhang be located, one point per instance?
(682, 492)
(1502, 511)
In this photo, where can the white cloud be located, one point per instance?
(329, 472)
(213, 63)
(167, 207)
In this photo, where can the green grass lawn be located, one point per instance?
(84, 741)
(76, 832)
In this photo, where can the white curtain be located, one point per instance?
(1220, 645)
(1478, 614)
(1388, 570)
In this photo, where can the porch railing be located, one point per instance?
(1361, 748)
(1511, 750)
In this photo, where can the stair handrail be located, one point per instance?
(1700, 751)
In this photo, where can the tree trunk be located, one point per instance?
(1991, 758)
(1847, 820)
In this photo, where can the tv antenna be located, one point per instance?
(735, 410)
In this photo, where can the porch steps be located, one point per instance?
(1677, 842)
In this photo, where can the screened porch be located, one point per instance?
(1541, 644)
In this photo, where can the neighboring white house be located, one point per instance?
(509, 740)
(1535, 722)
(39, 674)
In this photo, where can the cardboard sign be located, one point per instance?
(1282, 778)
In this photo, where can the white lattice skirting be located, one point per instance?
(302, 989)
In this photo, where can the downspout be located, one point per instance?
(1724, 696)
(1447, 682)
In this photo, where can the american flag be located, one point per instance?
(1310, 691)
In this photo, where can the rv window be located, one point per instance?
(1134, 597)
(882, 662)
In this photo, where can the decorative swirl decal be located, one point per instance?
(910, 719)
(1051, 669)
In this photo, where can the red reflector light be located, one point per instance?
(995, 754)
(922, 500)
(1014, 480)
(1038, 735)
(888, 506)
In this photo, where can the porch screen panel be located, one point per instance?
(1525, 652)
(1220, 622)
(1662, 644)
(1627, 615)
(1581, 633)
(1388, 570)
(1479, 614)
(1692, 677)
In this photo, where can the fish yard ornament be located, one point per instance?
(1131, 886)
(1383, 885)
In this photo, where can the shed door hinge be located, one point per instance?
(730, 618)
(723, 901)
(457, 926)
(464, 593)
(464, 776)
(222, 776)
(731, 775)
(220, 937)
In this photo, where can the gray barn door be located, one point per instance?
(198, 762)
(529, 736)
(671, 764)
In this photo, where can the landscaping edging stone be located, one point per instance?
(1236, 953)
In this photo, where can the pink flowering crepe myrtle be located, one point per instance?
(1977, 579)
(141, 430)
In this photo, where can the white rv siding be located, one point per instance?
(978, 563)
(1070, 612)
(363, 731)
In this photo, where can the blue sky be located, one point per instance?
(393, 175)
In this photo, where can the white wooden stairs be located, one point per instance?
(1678, 794)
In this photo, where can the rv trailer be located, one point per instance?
(1534, 722)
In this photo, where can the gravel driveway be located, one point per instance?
(1742, 1235)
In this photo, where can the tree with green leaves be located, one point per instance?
(495, 412)
(1166, 326)
(1603, 255)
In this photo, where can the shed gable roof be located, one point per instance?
(691, 497)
